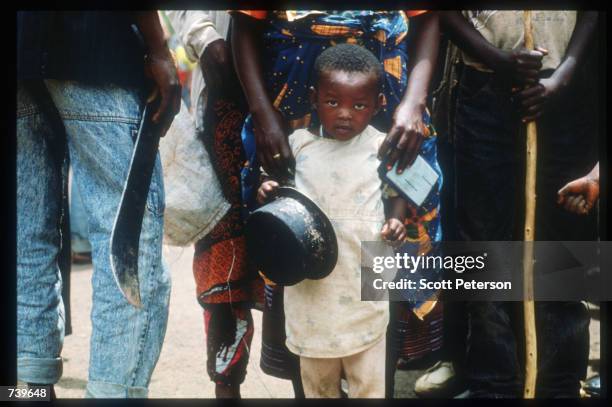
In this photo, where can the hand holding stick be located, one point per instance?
(531, 360)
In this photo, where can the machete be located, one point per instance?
(125, 235)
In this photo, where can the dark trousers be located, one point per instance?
(455, 320)
(489, 154)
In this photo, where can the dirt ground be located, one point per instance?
(181, 369)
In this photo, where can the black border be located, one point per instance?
(8, 314)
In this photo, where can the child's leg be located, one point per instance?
(365, 372)
(321, 377)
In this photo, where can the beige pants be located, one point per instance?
(364, 371)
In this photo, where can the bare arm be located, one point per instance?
(273, 150)
(408, 131)
(423, 62)
(520, 65)
(160, 67)
(576, 49)
(533, 101)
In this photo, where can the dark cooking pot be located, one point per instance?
(291, 239)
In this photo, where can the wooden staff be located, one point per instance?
(531, 357)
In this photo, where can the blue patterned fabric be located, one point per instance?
(289, 52)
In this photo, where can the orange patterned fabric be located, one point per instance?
(414, 13)
(220, 264)
(416, 228)
(280, 96)
(221, 269)
(393, 66)
(258, 14)
(334, 30)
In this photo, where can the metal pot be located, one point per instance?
(291, 239)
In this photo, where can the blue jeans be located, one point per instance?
(101, 123)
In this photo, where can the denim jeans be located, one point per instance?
(489, 165)
(101, 123)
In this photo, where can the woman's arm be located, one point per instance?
(273, 150)
(408, 131)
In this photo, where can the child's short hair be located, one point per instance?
(348, 58)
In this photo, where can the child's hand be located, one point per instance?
(266, 191)
(393, 230)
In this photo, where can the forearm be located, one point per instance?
(245, 48)
(196, 30)
(469, 40)
(581, 38)
(425, 55)
(152, 33)
(398, 208)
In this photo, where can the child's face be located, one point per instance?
(346, 102)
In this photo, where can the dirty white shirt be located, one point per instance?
(326, 318)
(552, 30)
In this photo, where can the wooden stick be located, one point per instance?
(531, 358)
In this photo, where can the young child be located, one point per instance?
(327, 324)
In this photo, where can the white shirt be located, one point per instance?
(326, 318)
(504, 29)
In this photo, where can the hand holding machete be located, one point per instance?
(162, 105)
(161, 68)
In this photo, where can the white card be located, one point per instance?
(416, 181)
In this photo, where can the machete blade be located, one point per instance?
(125, 235)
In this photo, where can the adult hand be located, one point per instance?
(161, 68)
(216, 64)
(531, 102)
(405, 138)
(580, 195)
(521, 66)
(273, 151)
